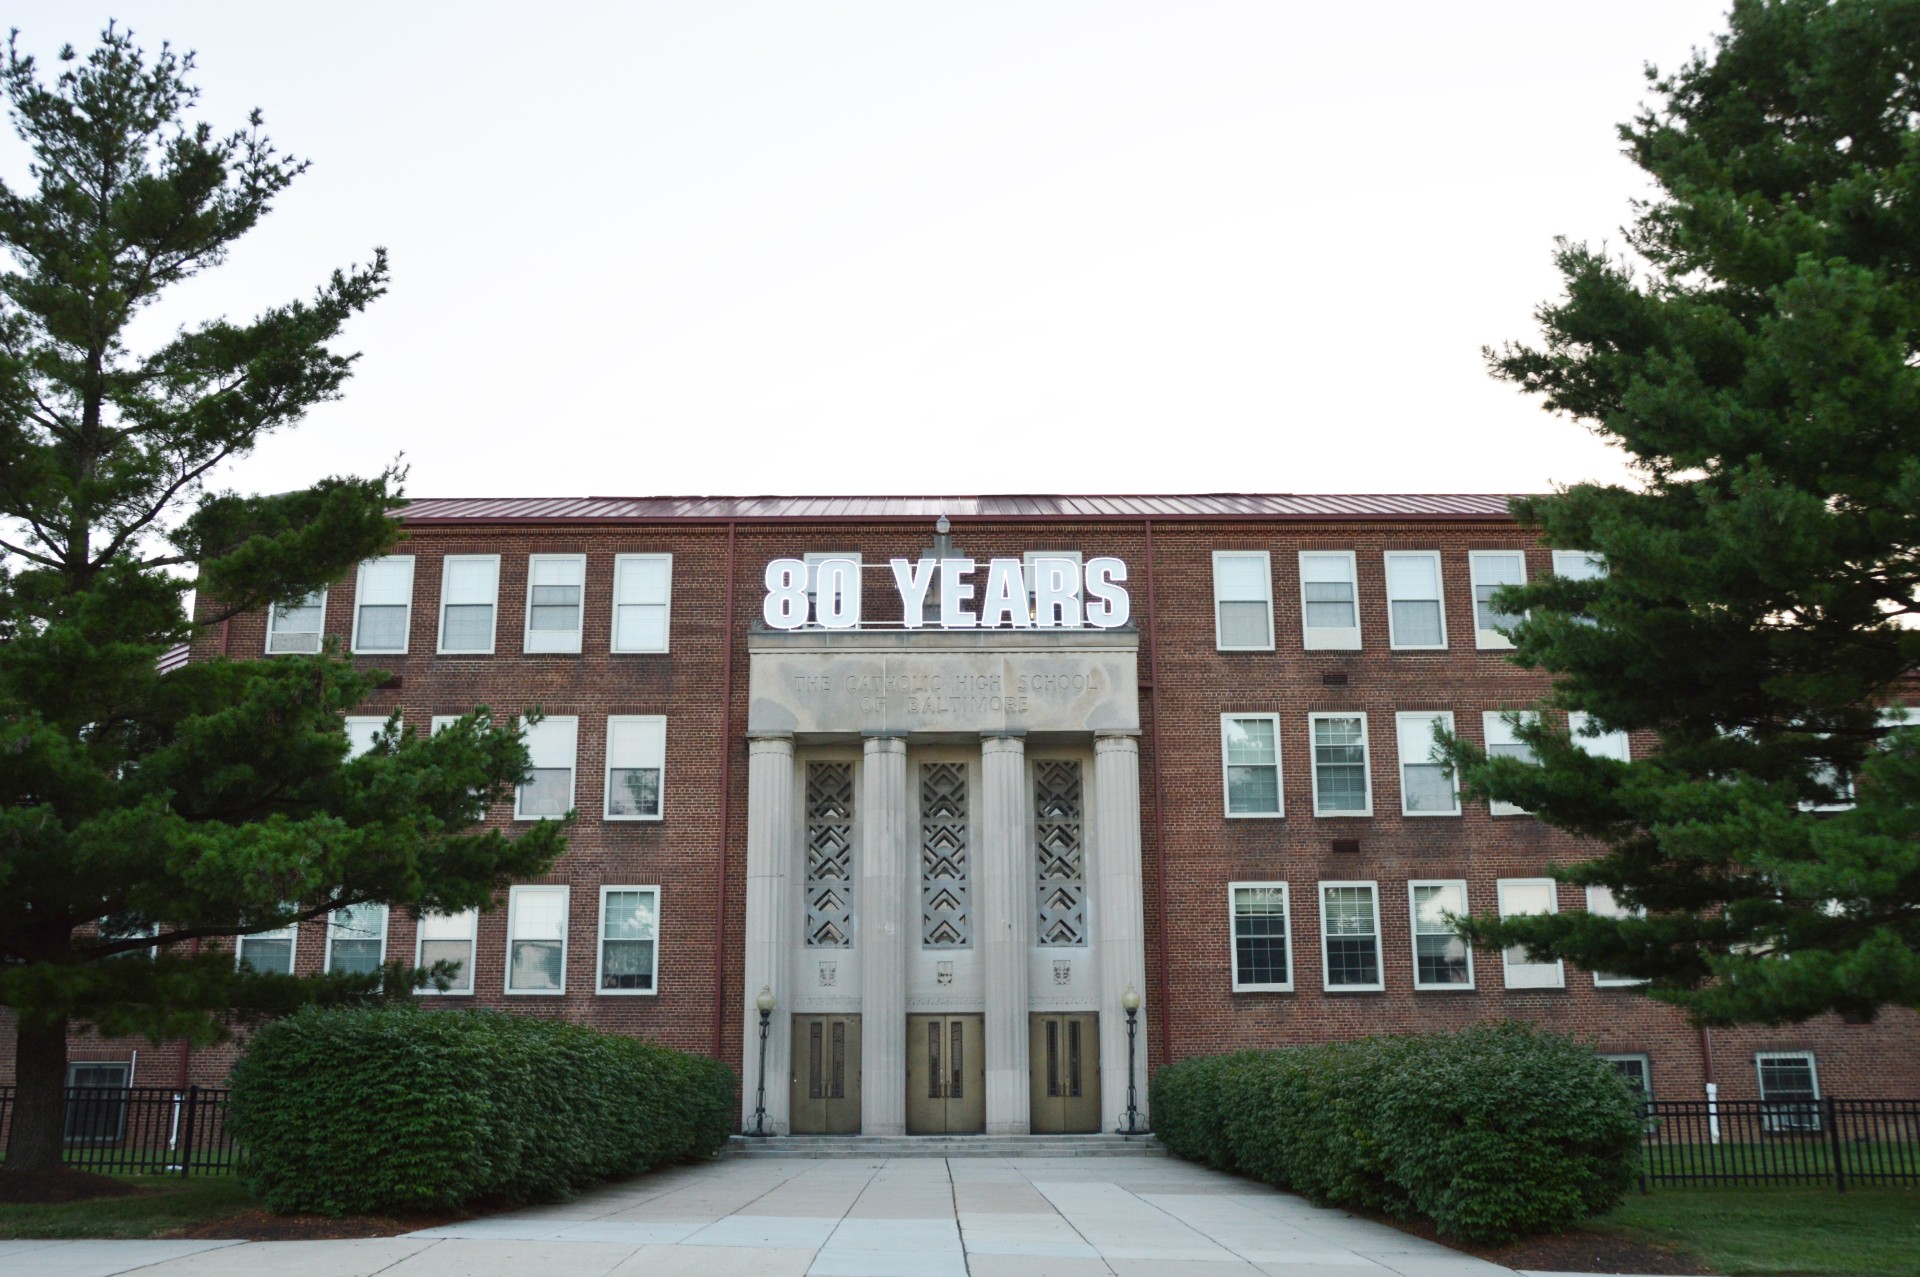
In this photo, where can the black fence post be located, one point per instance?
(1833, 1140)
(186, 1132)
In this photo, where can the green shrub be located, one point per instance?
(1492, 1133)
(396, 1109)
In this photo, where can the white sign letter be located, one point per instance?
(1107, 604)
(837, 593)
(1056, 593)
(912, 580)
(954, 593)
(1006, 595)
(786, 604)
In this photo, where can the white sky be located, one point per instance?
(1189, 246)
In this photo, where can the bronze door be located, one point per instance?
(946, 1076)
(826, 1075)
(1066, 1072)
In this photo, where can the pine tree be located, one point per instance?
(145, 810)
(1756, 353)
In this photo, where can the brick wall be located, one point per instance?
(1192, 850)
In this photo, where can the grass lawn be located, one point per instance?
(1867, 1232)
(178, 1203)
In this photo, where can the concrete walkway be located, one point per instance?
(898, 1217)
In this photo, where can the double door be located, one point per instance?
(826, 1075)
(1065, 1097)
(946, 1075)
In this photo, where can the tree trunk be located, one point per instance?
(35, 1139)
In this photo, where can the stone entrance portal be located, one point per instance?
(943, 859)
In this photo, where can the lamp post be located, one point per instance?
(1130, 1003)
(765, 1004)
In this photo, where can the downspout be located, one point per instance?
(1713, 1085)
(726, 805)
(1163, 1019)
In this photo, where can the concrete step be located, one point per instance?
(880, 1146)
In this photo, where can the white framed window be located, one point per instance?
(1503, 743)
(1789, 1090)
(1262, 937)
(269, 951)
(1441, 959)
(362, 732)
(547, 792)
(441, 722)
(1342, 778)
(642, 602)
(1588, 737)
(1030, 558)
(1600, 900)
(629, 940)
(1329, 601)
(1426, 784)
(1521, 897)
(1350, 937)
(814, 559)
(1490, 570)
(1637, 1068)
(556, 586)
(1579, 565)
(98, 1115)
(383, 605)
(636, 764)
(298, 628)
(537, 940)
(1416, 614)
(1242, 601)
(1250, 763)
(469, 603)
(447, 937)
(147, 931)
(357, 939)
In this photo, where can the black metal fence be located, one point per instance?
(146, 1130)
(1842, 1143)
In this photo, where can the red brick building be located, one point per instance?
(1177, 748)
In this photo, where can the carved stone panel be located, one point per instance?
(946, 916)
(1059, 852)
(829, 856)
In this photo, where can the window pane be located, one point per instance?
(1330, 605)
(297, 628)
(383, 628)
(1416, 623)
(629, 915)
(1352, 955)
(1253, 789)
(458, 951)
(356, 935)
(1428, 787)
(640, 627)
(1251, 741)
(1240, 577)
(633, 791)
(469, 627)
(548, 791)
(536, 964)
(626, 964)
(1244, 625)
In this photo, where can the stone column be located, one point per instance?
(1119, 929)
(768, 949)
(1003, 926)
(885, 931)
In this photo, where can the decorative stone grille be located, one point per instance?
(829, 856)
(946, 919)
(1059, 853)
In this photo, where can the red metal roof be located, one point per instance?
(1222, 505)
